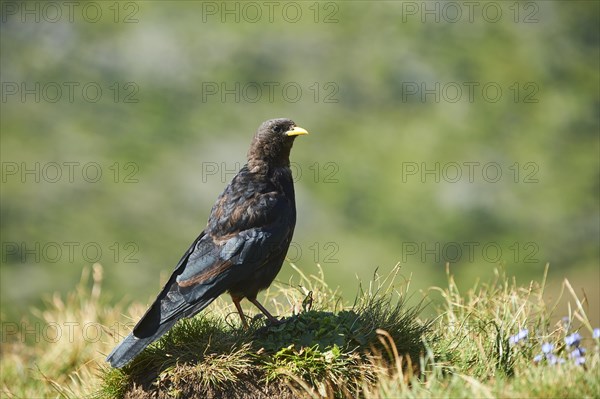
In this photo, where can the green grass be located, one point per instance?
(376, 346)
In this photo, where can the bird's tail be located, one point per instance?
(132, 346)
(154, 325)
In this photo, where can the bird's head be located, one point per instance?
(273, 141)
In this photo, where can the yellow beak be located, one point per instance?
(296, 131)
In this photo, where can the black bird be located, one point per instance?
(242, 248)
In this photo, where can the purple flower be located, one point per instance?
(578, 356)
(573, 339)
(521, 335)
(550, 358)
(553, 359)
(596, 333)
(577, 352)
(547, 347)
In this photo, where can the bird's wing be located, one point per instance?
(256, 228)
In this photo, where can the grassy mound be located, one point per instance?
(314, 352)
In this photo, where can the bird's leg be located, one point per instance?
(272, 319)
(236, 301)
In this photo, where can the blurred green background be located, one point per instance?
(461, 132)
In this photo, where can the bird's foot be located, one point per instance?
(270, 323)
(276, 322)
